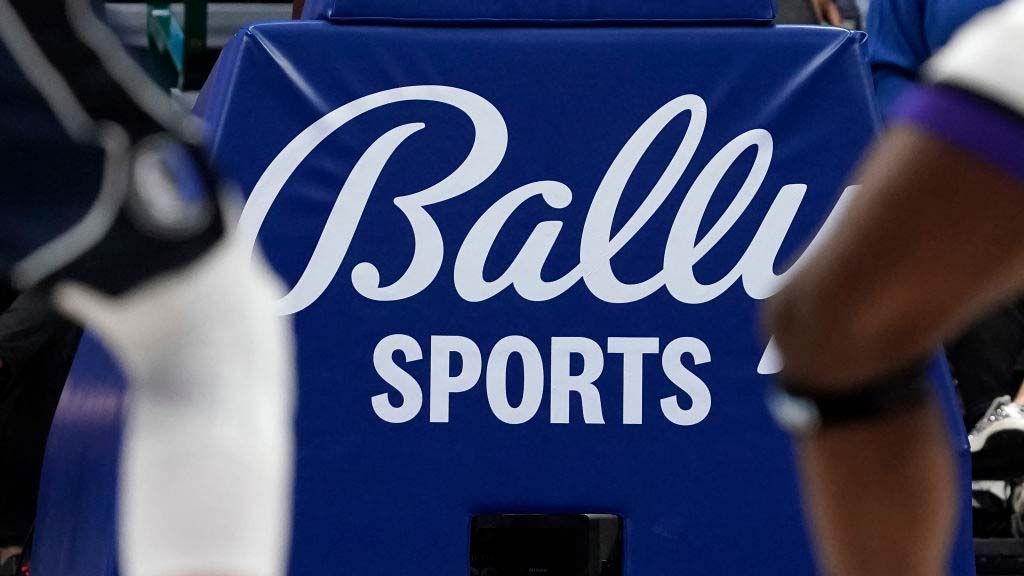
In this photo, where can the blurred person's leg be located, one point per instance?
(828, 12)
(127, 232)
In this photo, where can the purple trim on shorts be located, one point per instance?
(984, 128)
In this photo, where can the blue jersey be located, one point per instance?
(906, 33)
(974, 94)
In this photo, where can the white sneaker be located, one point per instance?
(1002, 424)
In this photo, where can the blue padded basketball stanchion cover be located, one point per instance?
(525, 265)
(591, 11)
(75, 530)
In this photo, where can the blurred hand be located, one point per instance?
(827, 12)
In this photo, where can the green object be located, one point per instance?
(184, 43)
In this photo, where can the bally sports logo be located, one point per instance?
(598, 245)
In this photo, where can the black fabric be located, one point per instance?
(7, 297)
(104, 265)
(36, 348)
(51, 180)
(88, 75)
(987, 360)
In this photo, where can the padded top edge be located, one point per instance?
(550, 11)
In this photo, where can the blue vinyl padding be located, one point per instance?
(75, 531)
(592, 11)
(718, 496)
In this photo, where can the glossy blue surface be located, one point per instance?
(715, 496)
(578, 10)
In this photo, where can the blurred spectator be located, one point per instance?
(842, 13)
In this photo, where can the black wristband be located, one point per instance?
(803, 408)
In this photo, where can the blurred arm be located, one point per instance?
(935, 237)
